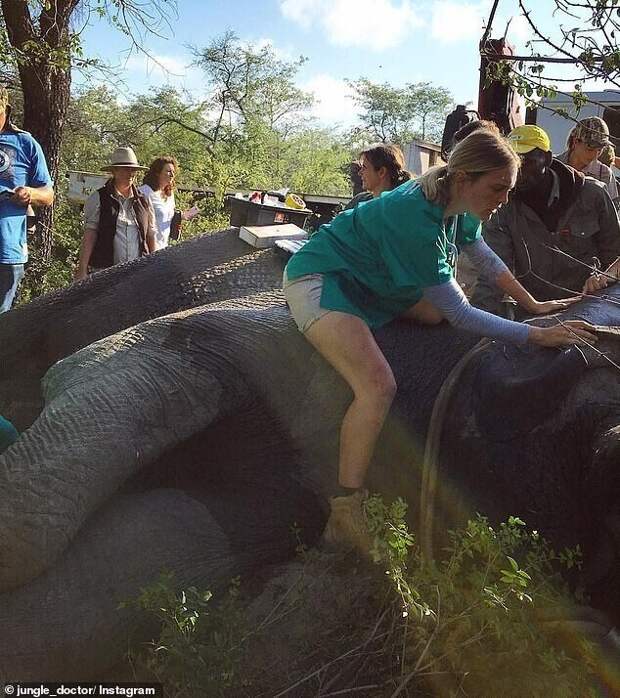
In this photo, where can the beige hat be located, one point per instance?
(123, 157)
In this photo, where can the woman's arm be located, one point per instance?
(450, 300)
(492, 268)
(91, 225)
(151, 231)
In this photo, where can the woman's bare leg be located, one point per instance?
(347, 343)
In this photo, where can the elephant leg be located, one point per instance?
(67, 622)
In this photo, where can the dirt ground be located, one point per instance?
(318, 614)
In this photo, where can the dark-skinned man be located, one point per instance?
(24, 182)
(556, 224)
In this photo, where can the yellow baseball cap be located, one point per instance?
(525, 138)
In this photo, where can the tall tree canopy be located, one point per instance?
(400, 114)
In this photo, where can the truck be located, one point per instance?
(605, 104)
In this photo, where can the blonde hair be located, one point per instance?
(481, 152)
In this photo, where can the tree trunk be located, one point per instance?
(45, 109)
(45, 74)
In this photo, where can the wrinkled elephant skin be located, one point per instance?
(193, 427)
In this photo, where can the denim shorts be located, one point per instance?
(303, 295)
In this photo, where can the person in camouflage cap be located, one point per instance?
(584, 145)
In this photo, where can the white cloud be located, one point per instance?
(160, 70)
(457, 21)
(173, 66)
(300, 11)
(282, 54)
(333, 100)
(519, 31)
(375, 24)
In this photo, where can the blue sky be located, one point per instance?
(395, 41)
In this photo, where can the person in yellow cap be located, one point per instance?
(556, 226)
(584, 147)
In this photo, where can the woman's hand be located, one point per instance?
(190, 213)
(569, 332)
(544, 307)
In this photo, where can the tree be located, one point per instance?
(583, 46)
(42, 45)
(400, 114)
(252, 84)
(256, 109)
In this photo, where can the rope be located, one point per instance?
(430, 464)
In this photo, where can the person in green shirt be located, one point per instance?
(394, 256)
(382, 167)
(8, 434)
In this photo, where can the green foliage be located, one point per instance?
(198, 649)
(473, 619)
(470, 624)
(400, 114)
(252, 84)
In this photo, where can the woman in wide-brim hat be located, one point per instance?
(119, 222)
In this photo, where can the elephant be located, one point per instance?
(174, 418)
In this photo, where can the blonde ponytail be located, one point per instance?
(481, 152)
(435, 183)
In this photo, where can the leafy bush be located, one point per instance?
(198, 649)
(470, 624)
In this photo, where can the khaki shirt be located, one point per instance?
(601, 173)
(588, 228)
(127, 237)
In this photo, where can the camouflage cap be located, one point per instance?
(592, 131)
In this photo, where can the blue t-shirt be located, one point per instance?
(22, 164)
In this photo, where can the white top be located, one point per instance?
(126, 244)
(164, 211)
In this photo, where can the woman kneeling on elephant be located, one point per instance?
(395, 257)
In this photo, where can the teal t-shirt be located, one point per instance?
(8, 434)
(378, 257)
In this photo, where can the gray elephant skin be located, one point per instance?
(175, 419)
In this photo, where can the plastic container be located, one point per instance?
(244, 212)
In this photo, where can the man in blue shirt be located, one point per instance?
(24, 181)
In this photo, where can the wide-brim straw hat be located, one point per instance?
(123, 157)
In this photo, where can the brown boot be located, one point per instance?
(346, 526)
